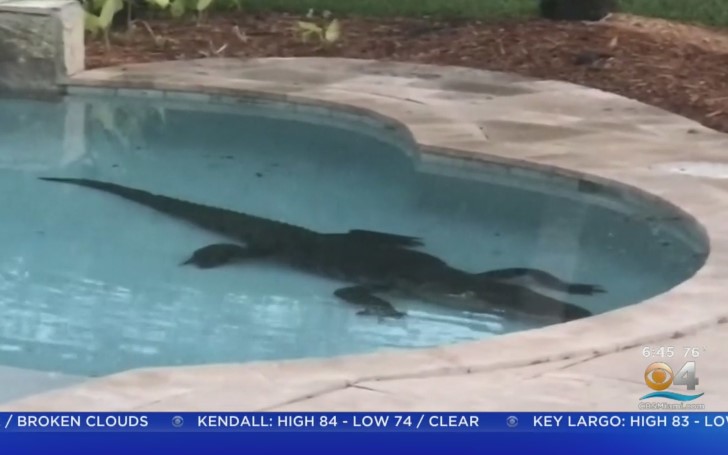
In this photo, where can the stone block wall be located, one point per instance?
(41, 44)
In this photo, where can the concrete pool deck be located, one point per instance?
(558, 128)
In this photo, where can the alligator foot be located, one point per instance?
(219, 254)
(541, 278)
(373, 305)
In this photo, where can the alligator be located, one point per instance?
(372, 263)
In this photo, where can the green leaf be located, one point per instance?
(306, 29)
(177, 8)
(91, 23)
(333, 31)
(110, 8)
(160, 3)
(96, 5)
(309, 27)
(203, 4)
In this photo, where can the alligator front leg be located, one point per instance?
(219, 254)
(373, 305)
(539, 277)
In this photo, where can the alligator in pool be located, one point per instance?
(372, 263)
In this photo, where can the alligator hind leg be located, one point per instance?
(219, 254)
(541, 278)
(373, 305)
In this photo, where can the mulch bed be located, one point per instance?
(656, 68)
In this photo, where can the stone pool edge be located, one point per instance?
(437, 128)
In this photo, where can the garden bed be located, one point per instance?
(681, 68)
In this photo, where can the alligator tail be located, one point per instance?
(227, 222)
(222, 221)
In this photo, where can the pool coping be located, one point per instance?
(443, 121)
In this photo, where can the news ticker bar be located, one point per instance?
(338, 422)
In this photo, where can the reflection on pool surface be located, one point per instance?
(91, 284)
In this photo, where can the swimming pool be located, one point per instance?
(90, 284)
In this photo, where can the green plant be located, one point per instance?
(179, 7)
(326, 33)
(99, 14)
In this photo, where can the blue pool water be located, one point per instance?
(90, 283)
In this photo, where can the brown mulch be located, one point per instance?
(677, 67)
